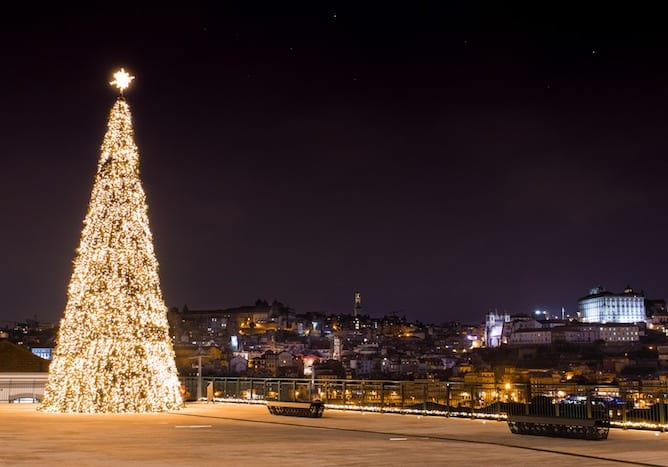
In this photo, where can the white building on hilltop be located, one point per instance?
(601, 306)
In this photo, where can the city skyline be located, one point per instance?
(443, 161)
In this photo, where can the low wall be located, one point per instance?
(22, 387)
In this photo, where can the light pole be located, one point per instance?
(199, 372)
(199, 377)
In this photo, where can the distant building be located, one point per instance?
(238, 364)
(336, 348)
(206, 327)
(539, 336)
(601, 306)
(494, 328)
(516, 323)
(18, 359)
(43, 352)
(657, 315)
(575, 333)
(619, 333)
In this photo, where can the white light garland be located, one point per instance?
(113, 352)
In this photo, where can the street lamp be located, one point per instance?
(199, 372)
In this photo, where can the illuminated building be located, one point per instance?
(601, 306)
(494, 328)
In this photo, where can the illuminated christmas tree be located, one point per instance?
(113, 352)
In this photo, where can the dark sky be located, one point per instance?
(443, 161)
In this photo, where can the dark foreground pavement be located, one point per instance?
(247, 435)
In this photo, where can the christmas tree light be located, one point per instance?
(113, 353)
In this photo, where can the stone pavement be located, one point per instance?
(247, 435)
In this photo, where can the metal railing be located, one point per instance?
(630, 406)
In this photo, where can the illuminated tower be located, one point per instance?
(357, 308)
(113, 353)
(358, 304)
(336, 351)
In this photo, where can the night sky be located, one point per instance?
(443, 161)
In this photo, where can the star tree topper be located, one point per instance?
(122, 80)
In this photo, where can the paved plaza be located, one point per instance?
(247, 435)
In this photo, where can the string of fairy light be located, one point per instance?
(113, 353)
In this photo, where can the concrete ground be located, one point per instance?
(247, 435)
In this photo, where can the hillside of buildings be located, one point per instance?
(272, 340)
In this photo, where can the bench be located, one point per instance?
(564, 427)
(296, 409)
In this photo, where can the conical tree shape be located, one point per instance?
(113, 353)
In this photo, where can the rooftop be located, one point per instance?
(14, 358)
(247, 435)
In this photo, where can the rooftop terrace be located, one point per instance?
(247, 435)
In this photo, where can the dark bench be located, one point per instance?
(582, 428)
(296, 409)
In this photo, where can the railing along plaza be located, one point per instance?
(630, 406)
